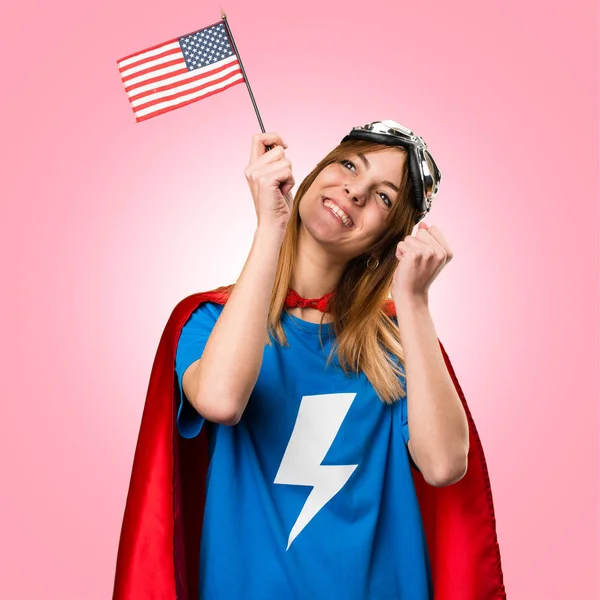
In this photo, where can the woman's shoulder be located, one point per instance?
(213, 299)
(202, 308)
(215, 296)
(207, 310)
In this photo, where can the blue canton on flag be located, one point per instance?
(205, 46)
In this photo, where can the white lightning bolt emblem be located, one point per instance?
(319, 419)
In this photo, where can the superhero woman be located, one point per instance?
(304, 434)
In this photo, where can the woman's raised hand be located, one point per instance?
(269, 175)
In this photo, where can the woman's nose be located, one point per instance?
(354, 195)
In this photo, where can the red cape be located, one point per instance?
(158, 554)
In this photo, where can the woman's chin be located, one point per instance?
(325, 232)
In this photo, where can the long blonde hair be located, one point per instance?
(365, 335)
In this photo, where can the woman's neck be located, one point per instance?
(315, 272)
(312, 315)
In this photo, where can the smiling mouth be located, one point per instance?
(338, 213)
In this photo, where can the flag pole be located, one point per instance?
(224, 17)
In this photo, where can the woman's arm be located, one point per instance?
(439, 430)
(219, 384)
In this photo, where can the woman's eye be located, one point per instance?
(386, 199)
(347, 162)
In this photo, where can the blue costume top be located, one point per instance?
(310, 495)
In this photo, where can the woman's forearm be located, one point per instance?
(439, 431)
(232, 357)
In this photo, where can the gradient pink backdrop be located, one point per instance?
(107, 224)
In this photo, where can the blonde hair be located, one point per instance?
(365, 334)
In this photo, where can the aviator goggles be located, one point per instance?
(424, 173)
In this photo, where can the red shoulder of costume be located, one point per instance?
(188, 305)
(218, 295)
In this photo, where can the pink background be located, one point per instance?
(107, 224)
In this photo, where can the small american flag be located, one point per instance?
(180, 71)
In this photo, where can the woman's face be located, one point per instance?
(364, 187)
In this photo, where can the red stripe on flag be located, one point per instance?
(155, 79)
(169, 63)
(185, 92)
(187, 80)
(150, 59)
(169, 108)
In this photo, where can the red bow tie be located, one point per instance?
(293, 300)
